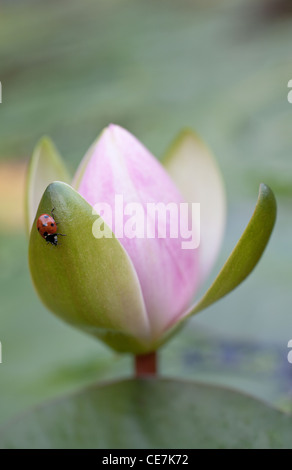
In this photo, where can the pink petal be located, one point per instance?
(194, 170)
(118, 164)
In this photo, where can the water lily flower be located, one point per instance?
(116, 274)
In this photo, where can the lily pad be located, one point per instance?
(151, 413)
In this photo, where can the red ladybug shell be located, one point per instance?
(46, 225)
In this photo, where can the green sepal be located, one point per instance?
(246, 253)
(89, 282)
(45, 166)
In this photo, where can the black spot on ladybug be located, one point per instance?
(52, 225)
(38, 229)
(45, 234)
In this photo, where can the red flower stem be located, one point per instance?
(146, 364)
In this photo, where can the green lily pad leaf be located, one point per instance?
(247, 252)
(46, 166)
(89, 282)
(195, 172)
(151, 413)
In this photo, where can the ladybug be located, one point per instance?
(47, 228)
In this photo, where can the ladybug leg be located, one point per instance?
(62, 235)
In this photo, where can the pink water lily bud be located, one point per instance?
(122, 177)
(135, 239)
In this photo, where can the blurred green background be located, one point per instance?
(68, 68)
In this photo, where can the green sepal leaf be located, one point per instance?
(89, 282)
(247, 252)
(45, 166)
(151, 413)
